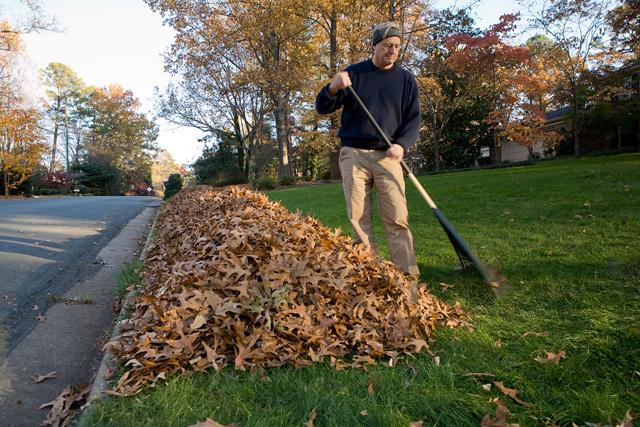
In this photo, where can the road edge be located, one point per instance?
(100, 382)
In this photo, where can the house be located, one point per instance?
(611, 125)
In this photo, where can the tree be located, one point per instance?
(21, 148)
(64, 95)
(36, 21)
(625, 24)
(164, 165)
(489, 63)
(442, 92)
(120, 137)
(577, 29)
(271, 38)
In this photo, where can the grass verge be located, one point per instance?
(565, 234)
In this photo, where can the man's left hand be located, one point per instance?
(396, 151)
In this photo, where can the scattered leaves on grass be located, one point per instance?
(486, 387)
(628, 420)
(478, 374)
(364, 413)
(535, 334)
(416, 423)
(39, 377)
(66, 405)
(510, 392)
(235, 278)
(551, 357)
(370, 389)
(311, 420)
(502, 413)
(210, 423)
(445, 286)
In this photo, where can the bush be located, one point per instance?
(287, 180)
(264, 183)
(172, 185)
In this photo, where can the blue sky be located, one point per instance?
(121, 41)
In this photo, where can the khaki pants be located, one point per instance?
(362, 170)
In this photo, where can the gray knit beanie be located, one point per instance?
(384, 30)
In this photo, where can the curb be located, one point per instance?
(99, 381)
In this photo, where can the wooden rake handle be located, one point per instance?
(384, 137)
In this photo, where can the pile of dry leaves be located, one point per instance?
(235, 278)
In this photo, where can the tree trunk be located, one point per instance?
(495, 152)
(5, 180)
(66, 137)
(281, 136)
(54, 147)
(56, 131)
(280, 116)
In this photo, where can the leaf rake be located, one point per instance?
(468, 259)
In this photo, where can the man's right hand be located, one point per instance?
(338, 82)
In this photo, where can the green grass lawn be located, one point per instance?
(565, 233)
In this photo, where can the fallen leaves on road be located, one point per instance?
(235, 278)
(66, 405)
(39, 378)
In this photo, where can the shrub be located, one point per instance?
(264, 183)
(287, 180)
(172, 185)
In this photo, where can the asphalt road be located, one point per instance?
(46, 246)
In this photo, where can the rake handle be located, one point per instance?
(384, 137)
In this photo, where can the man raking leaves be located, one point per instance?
(366, 161)
(387, 105)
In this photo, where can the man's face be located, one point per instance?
(385, 52)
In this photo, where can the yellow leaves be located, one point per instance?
(235, 279)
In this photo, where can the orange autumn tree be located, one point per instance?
(21, 148)
(120, 137)
(536, 85)
(264, 42)
(489, 63)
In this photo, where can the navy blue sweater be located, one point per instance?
(390, 95)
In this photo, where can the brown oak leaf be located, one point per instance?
(510, 392)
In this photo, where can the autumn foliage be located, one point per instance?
(236, 279)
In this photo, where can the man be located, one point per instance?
(391, 94)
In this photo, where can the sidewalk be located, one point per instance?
(69, 340)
